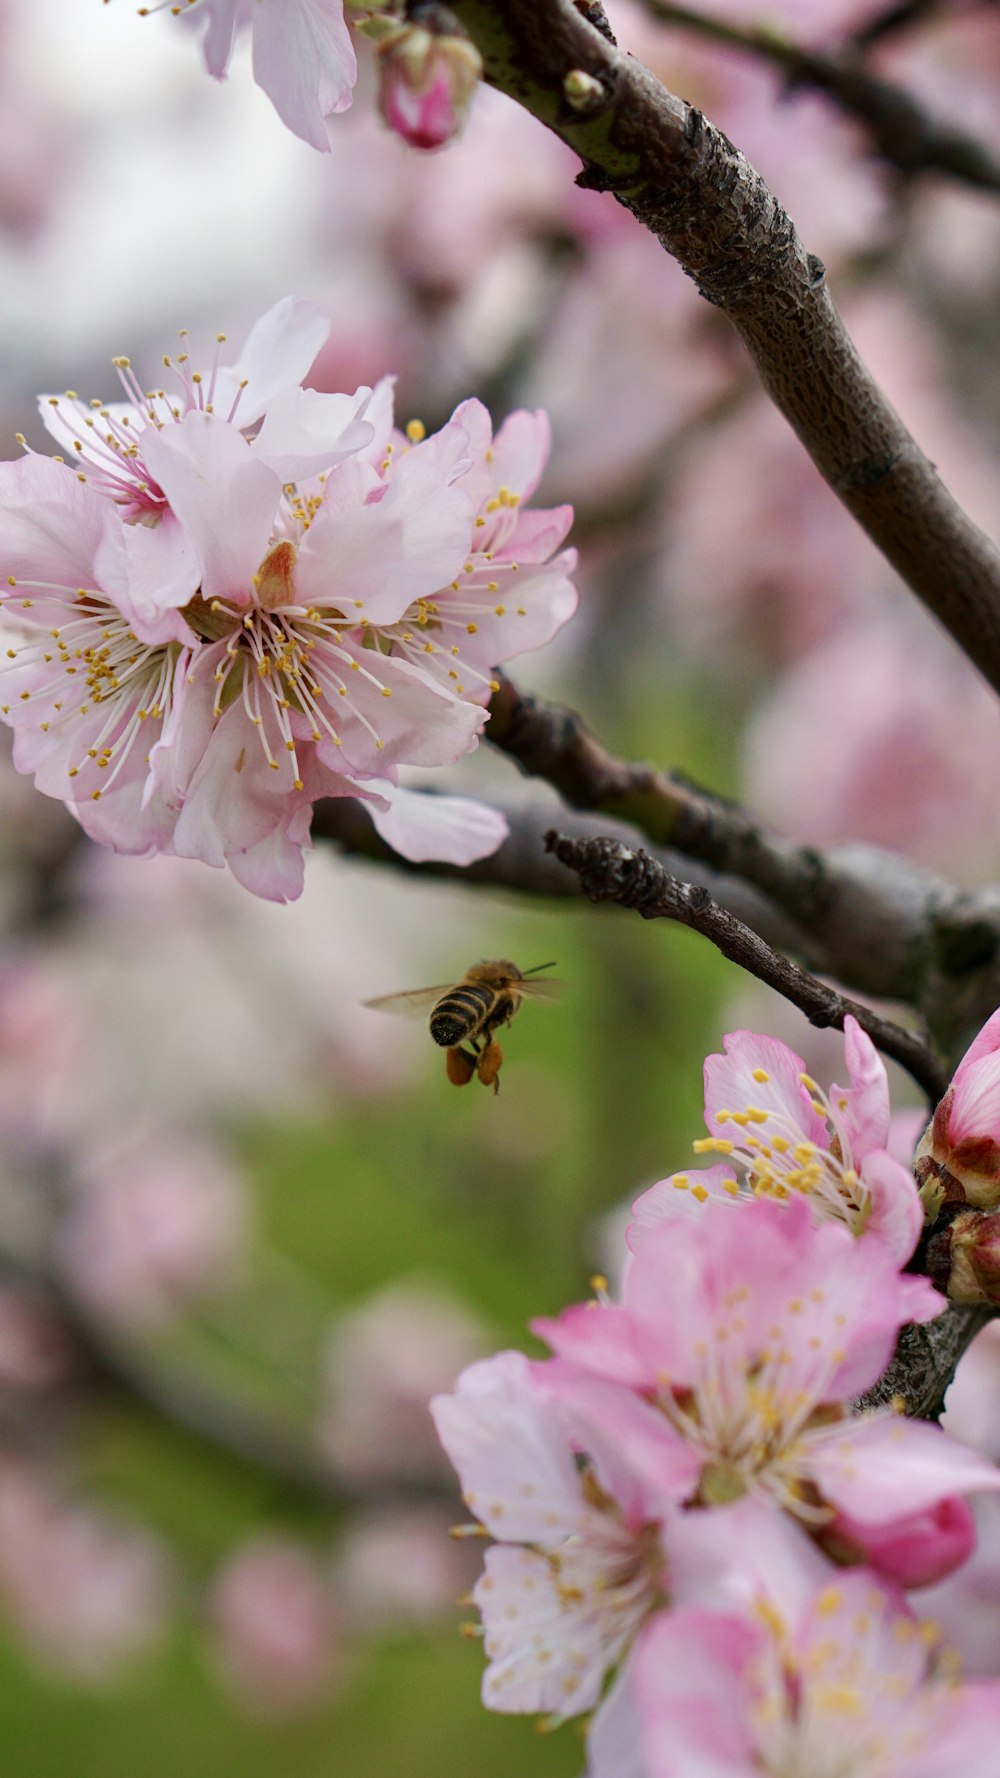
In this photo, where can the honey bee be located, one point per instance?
(465, 1016)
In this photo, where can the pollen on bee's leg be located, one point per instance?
(460, 1066)
(488, 1066)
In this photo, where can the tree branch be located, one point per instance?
(686, 182)
(902, 131)
(925, 1361)
(611, 871)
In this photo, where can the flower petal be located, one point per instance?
(421, 826)
(304, 59)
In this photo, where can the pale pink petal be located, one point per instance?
(884, 1467)
(862, 1109)
(279, 350)
(304, 59)
(521, 450)
(225, 500)
(389, 713)
(764, 1074)
(304, 431)
(150, 571)
(421, 826)
(614, 1743)
(235, 800)
(374, 560)
(516, 1467)
(218, 43)
(51, 524)
(966, 1740)
(547, 1650)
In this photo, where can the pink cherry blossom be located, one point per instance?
(86, 1593)
(750, 1331)
(782, 1134)
(387, 1358)
(274, 1627)
(852, 1684)
(958, 1157)
(284, 599)
(150, 1227)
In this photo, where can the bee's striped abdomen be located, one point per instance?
(459, 1014)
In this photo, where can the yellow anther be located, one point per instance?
(415, 431)
(699, 1192)
(713, 1145)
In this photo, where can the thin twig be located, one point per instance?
(686, 182)
(611, 871)
(904, 133)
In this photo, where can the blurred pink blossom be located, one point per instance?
(884, 735)
(387, 1358)
(274, 1627)
(86, 1593)
(396, 1567)
(151, 1226)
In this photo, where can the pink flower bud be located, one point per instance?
(275, 1627)
(915, 1550)
(426, 83)
(964, 1258)
(958, 1159)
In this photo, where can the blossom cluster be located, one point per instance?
(236, 597)
(696, 1535)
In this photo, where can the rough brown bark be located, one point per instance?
(686, 182)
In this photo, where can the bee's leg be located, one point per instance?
(488, 1065)
(460, 1065)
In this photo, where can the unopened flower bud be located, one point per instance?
(426, 84)
(964, 1259)
(958, 1158)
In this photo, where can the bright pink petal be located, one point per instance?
(694, 1704)
(679, 1196)
(638, 1457)
(760, 1074)
(421, 826)
(985, 1043)
(862, 1109)
(304, 59)
(975, 1109)
(914, 1550)
(603, 1338)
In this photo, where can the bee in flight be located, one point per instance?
(465, 1017)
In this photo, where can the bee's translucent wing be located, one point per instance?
(542, 987)
(411, 1003)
